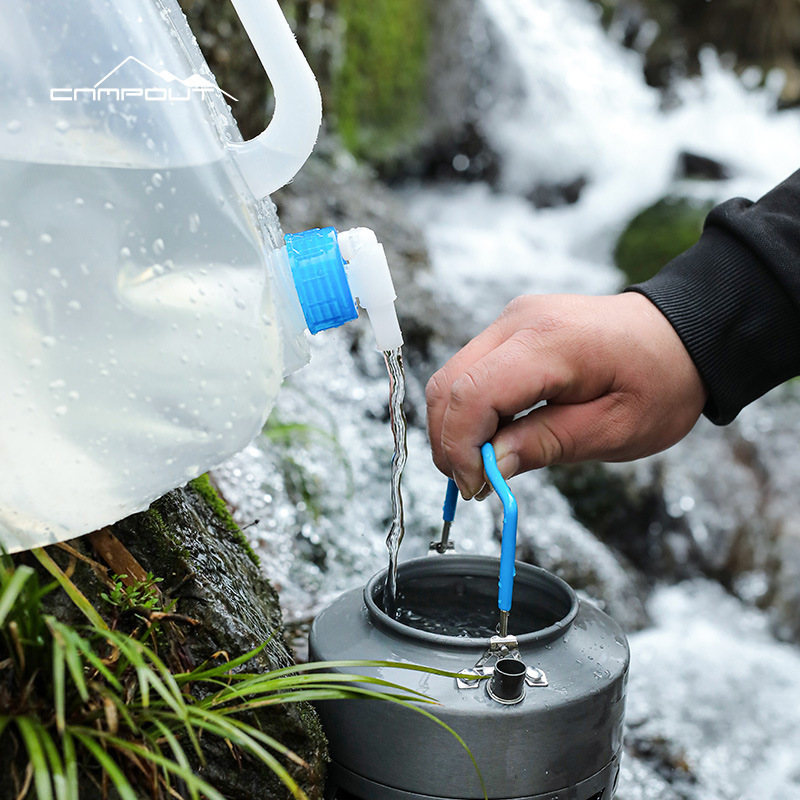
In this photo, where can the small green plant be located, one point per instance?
(91, 706)
(141, 594)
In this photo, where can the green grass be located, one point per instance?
(99, 707)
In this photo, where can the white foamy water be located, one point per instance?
(711, 691)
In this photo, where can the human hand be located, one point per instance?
(618, 382)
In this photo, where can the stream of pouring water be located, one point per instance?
(397, 392)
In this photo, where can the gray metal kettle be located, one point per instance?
(547, 724)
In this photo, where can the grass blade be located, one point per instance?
(87, 735)
(54, 758)
(12, 590)
(202, 673)
(36, 756)
(75, 594)
(177, 752)
(59, 681)
(70, 765)
(106, 763)
(224, 728)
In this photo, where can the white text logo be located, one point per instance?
(171, 88)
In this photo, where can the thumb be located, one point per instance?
(603, 428)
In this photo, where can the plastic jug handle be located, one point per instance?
(274, 157)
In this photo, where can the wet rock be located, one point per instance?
(552, 195)
(624, 506)
(697, 167)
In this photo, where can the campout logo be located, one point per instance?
(166, 87)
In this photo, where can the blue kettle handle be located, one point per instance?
(509, 543)
(508, 547)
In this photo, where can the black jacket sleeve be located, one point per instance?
(734, 298)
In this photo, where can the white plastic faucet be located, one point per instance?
(274, 157)
(371, 284)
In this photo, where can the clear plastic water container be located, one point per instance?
(146, 315)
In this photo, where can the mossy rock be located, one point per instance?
(658, 234)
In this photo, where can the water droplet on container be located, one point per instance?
(158, 246)
(13, 126)
(240, 303)
(60, 411)
(62, 126)
(73, 395)
(46, 238)
(58, 384)
(194, 222)
(74, 305)
(79, 201)
(193, 471)
(48, 341)
(159, 207)
(20, 296)
(125, 252)
(157, 179)
(55, 272)
(4, 223)
(108, 205)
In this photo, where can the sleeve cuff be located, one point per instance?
(739, 325)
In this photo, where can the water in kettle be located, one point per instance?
(121, 290)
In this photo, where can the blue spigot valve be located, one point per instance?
(329, 272)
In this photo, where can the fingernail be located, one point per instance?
(484, 493)
(467, 491)
(507, 463)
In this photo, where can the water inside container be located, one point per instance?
(466, 606)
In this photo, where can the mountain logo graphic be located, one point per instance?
(165, 88)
